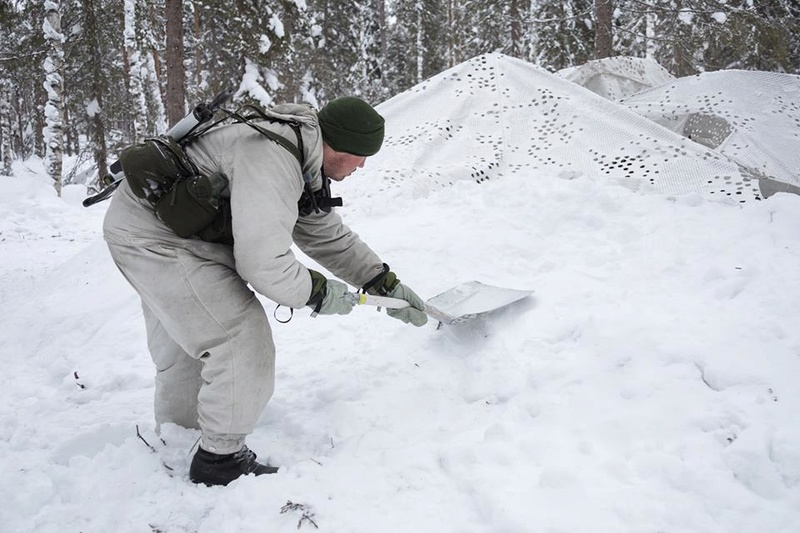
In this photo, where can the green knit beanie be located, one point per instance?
(351, 125)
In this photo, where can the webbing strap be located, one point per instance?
(295, 150)
(281, 140)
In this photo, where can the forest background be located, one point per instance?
(80, 79)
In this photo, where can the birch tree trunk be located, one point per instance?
(420, 44)
(5, 129)
(53, 84)
(651, 47)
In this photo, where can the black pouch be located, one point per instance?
(154, 166)
(220, 230)
(184, 211)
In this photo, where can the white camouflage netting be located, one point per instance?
(614, 78)
(751, 117)
(531, 121)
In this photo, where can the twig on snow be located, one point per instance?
(142, 439)
(153, 449)
(307, 515)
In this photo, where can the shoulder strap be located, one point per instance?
(257, 113)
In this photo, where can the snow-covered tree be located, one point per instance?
(562, 33)
(95, 105)
(368, 76)
(53, 84)
(418, 44)
(689, 36)
(135, 69)
(5, 129)
(110, 81)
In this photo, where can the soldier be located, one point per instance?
(207, 333)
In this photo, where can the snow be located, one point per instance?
(264, 44)
(649, 384)
(250, 84)
(93, 108)
(686, 16)
(276, 25)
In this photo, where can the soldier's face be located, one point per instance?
(339, 165)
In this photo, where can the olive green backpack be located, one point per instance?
(189, 203)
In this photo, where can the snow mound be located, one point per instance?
(753, 118)
(615, 78)
(495, 115)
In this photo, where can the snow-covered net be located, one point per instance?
(494, 115)
(751, 117)
(614, 78)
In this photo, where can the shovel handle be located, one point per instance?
(357, 298)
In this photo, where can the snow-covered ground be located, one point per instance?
(649, 385)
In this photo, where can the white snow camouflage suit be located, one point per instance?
(208, 335)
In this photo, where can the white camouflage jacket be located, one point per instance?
(265, 182)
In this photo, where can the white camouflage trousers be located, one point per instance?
(209, 338)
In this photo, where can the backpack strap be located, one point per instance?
(256, 113)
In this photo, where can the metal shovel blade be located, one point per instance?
(470, 300)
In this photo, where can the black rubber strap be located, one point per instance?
(377, 280)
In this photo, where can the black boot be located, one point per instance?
(214, 469)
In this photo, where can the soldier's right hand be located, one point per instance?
(328, 296)
(334, 302)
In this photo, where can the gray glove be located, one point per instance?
(334, 302)
(387, 284)
(414, 314)
(327, 296)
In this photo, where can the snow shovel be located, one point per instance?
(459, 304)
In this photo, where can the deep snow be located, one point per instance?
(650, 384)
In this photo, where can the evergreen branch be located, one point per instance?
(579, 16)
(648, 8)
(27, 56)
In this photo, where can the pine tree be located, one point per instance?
(150, 41)
(97, 91)
(418, 43)
(754, 37)
(21, 42)
(603, 28)
(135, 69)
(563, 33)
(175, 72)
(223, 35)
(368, 73)
(689, 36)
